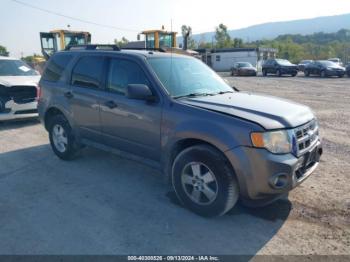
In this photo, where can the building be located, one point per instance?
(223, 59)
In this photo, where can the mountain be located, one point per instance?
(326, 24)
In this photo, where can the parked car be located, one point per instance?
(348, 70)
(243, 69)
(324, 68)
(279, 67)
(336, 61)
(302, 64)
(18, 89)
(171, 111)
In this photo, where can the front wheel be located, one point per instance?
(278, 73)
(323, 74)
(306, 73)
(204, 182)
(264, 72)
(61, 138)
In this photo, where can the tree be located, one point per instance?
(3, 51)
(222, 37)
(189, 42)
(238, 42)
(122, 42)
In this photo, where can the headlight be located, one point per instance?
(277, 142)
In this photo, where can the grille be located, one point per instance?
(22, 94)
(306, 137)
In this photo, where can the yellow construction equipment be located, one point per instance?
(165, 40)
(159, 39)
(58, 40)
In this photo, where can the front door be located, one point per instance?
(130, 125)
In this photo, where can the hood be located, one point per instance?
(19, 80)
(289, 66)
(269, 112)
(338, 67)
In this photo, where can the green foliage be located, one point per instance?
(3, 51)
(187, 31)
(32, 58)
(122, 42)
(222, 37)
(315, 46)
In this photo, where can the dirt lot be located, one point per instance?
(103, 204)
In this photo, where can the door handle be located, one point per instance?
(69, 94)
(111, 104)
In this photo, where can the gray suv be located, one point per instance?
(213, 144)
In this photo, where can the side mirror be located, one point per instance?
(139, 92)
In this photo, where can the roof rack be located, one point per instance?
(145, 49)
(93, 47)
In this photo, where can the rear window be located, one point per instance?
(56, 66)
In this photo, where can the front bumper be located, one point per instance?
(335, 73)
(289, 71)
(257, 170)
(247, 73)
(18, 111)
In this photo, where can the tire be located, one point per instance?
(278, 73)
(204, 182)
(294, 75)
(264, 72)
(306, 73)
(323, 74)
(61, 138)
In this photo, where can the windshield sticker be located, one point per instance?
(24, 68)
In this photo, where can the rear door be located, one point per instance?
(87, 84)
(127, 124)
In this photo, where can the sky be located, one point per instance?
(20, 25)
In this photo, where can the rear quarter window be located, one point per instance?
(56, 66)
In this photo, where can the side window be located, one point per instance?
(88, 72)
(122, 73)
(56, 66)
(218, 58)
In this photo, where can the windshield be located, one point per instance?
(183, 76)
(283, 62)
(15, 68)
(244, 65)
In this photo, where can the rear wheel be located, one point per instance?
(306, 73)
(204, 182)
(264, 72)
(61, 138)
(323, 74)
(278, 73)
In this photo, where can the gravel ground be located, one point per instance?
(103, 204)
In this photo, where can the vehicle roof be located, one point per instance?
(8, 58)
(135, 53)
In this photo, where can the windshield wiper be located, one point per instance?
(194, 95)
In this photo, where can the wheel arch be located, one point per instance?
(51, 112)
(184, 143)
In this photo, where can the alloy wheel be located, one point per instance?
(199, 183)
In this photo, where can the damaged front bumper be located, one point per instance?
(12, 110)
